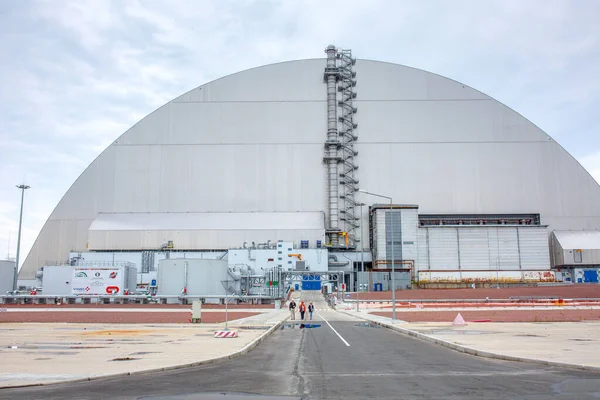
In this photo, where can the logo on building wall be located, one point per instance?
(111, 289)
(81, 275)
(113, 275)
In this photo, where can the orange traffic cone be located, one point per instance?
(459, 321)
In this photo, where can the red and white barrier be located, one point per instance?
(226, 334)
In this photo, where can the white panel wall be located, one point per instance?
(410, 220)
(482, 248)
(195, 239)
(263, 259)
(423, 250)
(253, 141)
(204, 277)
(474, 249)
(208, 221)
(380, 235)
(508, 248)
(7, 276)
(534, 248)
(443, 249)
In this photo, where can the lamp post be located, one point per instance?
(392, 255)
(362, 256)
(23, 187)
(226, 303)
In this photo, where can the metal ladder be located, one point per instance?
(346, 84)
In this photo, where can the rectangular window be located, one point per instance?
(279, 252)
(577, 256)
(147, 262)
(289, 262)
(393, 234)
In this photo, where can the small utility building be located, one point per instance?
(576, 255)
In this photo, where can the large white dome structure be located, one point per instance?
(278, 152)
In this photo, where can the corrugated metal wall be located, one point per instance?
(505, 248)
(474, 249)
(535, 253)
(404, 226)
(443, 249)
(379, 239)
(7, 276)
(422, 261)
(410, 221)
(373, 278)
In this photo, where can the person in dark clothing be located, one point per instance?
(311, 308)
(292, 309)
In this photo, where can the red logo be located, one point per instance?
(87, 289)
(113, 275)
(110, 289)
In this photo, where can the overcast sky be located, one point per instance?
(74, 75)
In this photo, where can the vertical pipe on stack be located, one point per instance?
(332, 143)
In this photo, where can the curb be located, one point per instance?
(475, 352)
(243, 351)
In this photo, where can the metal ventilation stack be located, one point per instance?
(332, 146)
(339, 154)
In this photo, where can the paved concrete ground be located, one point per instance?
(567, 342)
(42, 353)
(499, 315)
(341, 357)
(119, 316)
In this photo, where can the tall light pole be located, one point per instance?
(23, 187)
(392, 240)
(362, 255)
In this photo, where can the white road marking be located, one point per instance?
(336, 332)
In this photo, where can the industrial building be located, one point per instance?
(359, 164)
(7, 276)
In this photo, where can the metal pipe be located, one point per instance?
(227, 301)
(393, 266)
(185, 276)
(23, 187)
(362, 255)
(332, 143)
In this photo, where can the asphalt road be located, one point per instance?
(340, 359)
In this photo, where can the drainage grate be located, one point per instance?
(368, 325)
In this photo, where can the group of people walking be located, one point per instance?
(302, 308)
